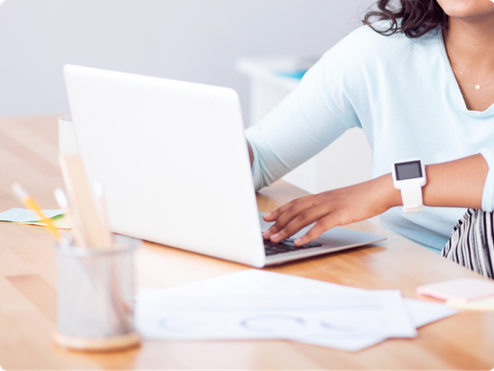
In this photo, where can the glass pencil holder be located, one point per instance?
(95, 296)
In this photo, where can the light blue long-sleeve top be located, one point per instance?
(402, 92)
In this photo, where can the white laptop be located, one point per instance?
(173, 161)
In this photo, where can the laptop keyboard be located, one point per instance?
(286, 246)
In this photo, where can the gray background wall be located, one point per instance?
(193, 40)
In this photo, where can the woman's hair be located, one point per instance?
(418, 17)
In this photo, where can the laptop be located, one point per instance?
(173, 161)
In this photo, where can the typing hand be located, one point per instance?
(330, 209)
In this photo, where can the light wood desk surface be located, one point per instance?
(28, 153)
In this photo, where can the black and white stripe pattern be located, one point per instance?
(472, 242)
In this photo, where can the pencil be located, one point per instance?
(23, 195)
(100, 197)
(63, 203)
(83, 201)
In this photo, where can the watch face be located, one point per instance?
(408, 170)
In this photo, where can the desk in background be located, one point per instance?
(28, 153)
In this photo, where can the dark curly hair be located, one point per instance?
(418, 17)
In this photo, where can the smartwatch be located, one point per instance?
(409, 178)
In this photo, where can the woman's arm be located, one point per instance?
(251, 154)
(301, 125)
(458, 183)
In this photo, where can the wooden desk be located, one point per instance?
(28, 153)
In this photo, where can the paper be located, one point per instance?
(422, 313)
(26, 216)
(259, 317)
(257, 304)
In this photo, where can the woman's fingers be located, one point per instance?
(285, 214)
(316, 231)
(272, 217)
(301, 220)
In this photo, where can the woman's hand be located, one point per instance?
(330, 209)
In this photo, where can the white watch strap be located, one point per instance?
(411, 195)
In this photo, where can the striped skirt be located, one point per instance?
(472, 242)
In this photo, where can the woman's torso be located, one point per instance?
(403, 94)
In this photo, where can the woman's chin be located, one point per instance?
(467, 9)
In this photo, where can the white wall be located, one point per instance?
(194, 40)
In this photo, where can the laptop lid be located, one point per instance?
(172, 159)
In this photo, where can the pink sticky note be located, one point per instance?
(462, 289)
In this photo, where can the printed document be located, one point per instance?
(256, 304)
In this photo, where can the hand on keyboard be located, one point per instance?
(284, 246)
(333, 208)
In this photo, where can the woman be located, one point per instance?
(420, 83)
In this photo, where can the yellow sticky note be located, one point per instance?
(486, 304)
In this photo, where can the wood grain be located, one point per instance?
(38, 292)
(28, 279)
